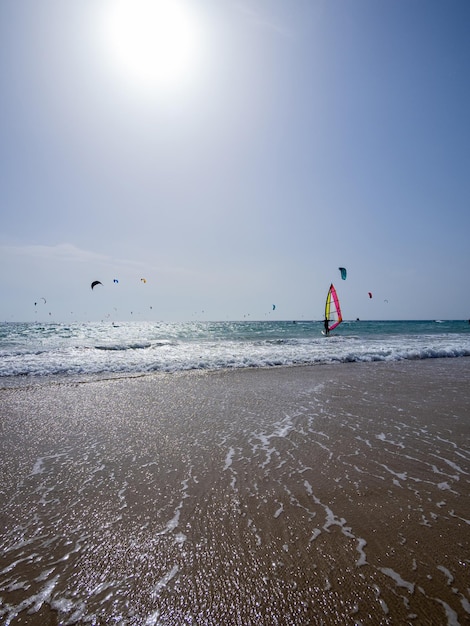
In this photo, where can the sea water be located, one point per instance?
(126, 348)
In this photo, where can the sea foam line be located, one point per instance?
(333, 520)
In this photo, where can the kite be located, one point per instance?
(96, 282)
(370, 295)
(143, 280)
(115, 280)
(274, 307)
(343, 271)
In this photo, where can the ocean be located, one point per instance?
(126, 348)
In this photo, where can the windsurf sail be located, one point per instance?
(333, 315)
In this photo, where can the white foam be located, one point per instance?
(444, 486)
(465, 604)
(452, 617)
(452, 514)
(361, 544)
(384, 606)
(400, 582)
(163, 582)
(453, 465)
(44, 575)
(173, 523)
(400, 475)
(228, 458)
(42, 350)
(38, 467)
(152, 619)
(333, 520)
(444, 570)
(315, 533)
(35, 602)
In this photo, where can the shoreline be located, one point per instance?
(296, 495)
(25, 381)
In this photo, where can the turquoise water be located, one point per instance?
(34, 349)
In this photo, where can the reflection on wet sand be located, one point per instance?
(328, 494)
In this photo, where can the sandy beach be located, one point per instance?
(334, 494)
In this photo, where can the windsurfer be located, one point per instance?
(333, 315)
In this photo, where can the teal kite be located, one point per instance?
(343, 271)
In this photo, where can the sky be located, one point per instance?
(234, 153)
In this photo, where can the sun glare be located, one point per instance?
(153, 43)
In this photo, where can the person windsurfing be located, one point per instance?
(333, 315)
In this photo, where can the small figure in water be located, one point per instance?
(325, 323)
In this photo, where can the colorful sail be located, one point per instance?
(333, 315)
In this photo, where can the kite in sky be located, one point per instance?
(343, 271)
(96, 282)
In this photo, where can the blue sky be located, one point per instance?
(301, 136)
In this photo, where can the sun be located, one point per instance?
(152, 43)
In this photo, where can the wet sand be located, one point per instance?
(334, 494)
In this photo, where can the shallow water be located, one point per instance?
(326, 495)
